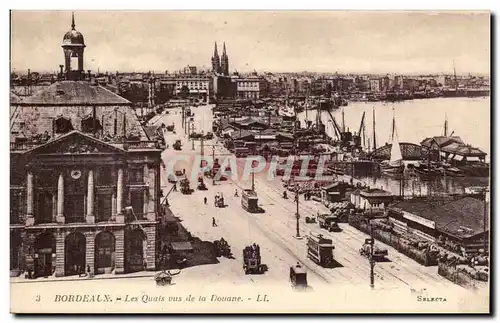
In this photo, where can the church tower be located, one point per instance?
(73, 46)
(216, 61)
(224, 62)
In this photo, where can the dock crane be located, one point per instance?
(362, 128)
(336, 127)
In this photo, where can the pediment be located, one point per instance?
(75, 143)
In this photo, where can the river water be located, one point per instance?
(468, 118)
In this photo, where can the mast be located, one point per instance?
(455, 75)
(374, 134)
(393, 125)
(343, 120)
(446, 124)
(307, 106)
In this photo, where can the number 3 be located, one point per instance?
(37, 298)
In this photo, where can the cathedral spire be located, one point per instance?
(72, 21)
(215, 50)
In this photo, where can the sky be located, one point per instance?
(286, 41)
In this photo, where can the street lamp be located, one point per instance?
(370, 258)
(297, 215)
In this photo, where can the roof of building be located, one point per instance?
(333, 185)
(462, 218)
(73, 37)
(442, 141)
(374, 192)
(463, 150)
(241, 134)
(30, 122)
(75, 93)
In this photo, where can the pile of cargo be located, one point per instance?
(466, 272)
(424, 254)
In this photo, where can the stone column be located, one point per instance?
(60, 199)
(150, 255)
(30, 219)
(54, 207)
(113, 205)
(119, 251)
(90, 198)
(90, 250)
(145, 207)
(153, 194)
(60, 253)
(120, 218)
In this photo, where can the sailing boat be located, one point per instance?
(395, 164)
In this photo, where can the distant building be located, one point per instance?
(375, 85)
(252, 87)
(196, 87)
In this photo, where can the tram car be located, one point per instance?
(249, 201)
(320, 250)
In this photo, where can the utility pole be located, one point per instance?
(192, 133)
(484, 224)
(202, 150)
(183, 120)
(372, 261)
(213, 163)
(297, 215)
(374, 133)
(253, 182)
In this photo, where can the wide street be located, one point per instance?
(275, 229)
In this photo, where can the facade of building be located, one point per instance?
(371, 199)
(85, 182)
(196, 87)
(252, 87)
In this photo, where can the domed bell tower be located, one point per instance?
(73, 46)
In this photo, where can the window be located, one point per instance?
(74, 62)
(15, 209)
(90, 124)
(45, 208)
(105, 176)
(137, 203)
(62, 125)
(136, 175)
(103, 207)
(46, 178)
(74, 208)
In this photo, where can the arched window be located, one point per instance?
(89, 124)
(74, 245)
(62, 125)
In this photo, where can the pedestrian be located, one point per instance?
(214, 224)
(205, 200)
(236, 193)
(175, 187)
(183, 171)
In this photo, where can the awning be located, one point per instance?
(181, 246)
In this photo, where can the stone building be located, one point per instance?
(85, 181)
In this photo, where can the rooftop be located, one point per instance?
(462, 218)
(74, 93)
(441, 141)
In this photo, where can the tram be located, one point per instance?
(320, 250)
